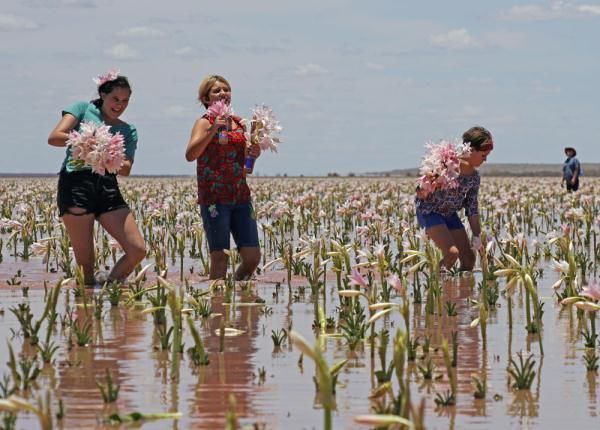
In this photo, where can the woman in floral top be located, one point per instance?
(437, 212)
(223, 194)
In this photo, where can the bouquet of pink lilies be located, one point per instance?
(219, 109)
(95, 146)
(441, 165)
(265, 128)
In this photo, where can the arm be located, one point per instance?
(202, 134)
(471, 206)
(253, 150)
(575, 175)
(125, 169)
(58, 137)
(475, 225)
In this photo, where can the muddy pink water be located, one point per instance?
(124, 341)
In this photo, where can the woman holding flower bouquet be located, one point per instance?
(219, 145)
(100, 146)
(450, 182)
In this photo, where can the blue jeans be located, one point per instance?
(221, 221)
(453, 221)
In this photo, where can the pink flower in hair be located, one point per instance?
(110, 76)
(219, 109)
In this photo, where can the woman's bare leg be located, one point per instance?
(466, 255)
(250, 260)
(218, 265)
(80, 228)
(121, 225)
(445, 242)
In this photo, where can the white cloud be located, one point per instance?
(16, 23)
(589, 9)
(186, 50)
(454, 39)
(79, 3)
(296, 103)
(503, 119)
(141, 32)
(469, 110)
(531, 13)
(503, 39)
(556, 10)
(540, 87)
(311, 69)
(374, 66)
(481, 81)
(404, 83)
(61, 3)
(122, 51)
(314, 115)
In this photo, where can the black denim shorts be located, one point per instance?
(96, 194)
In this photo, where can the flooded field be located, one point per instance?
(365, 326)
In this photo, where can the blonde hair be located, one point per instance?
(206, 84)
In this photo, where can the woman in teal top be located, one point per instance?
(85, 196)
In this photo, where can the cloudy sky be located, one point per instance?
(358, 86)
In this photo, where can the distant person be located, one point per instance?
(437, 211)
(85, 196)
(219, 147)
(571, 170)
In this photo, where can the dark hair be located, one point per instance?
(476, 136)
(108, 86)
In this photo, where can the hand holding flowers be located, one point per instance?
(264, 130)
(221, 113)
(220, 109)
(95, 146)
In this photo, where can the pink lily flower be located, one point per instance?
(357, 279)
(219, 109)
(396, 283)
(591, 291)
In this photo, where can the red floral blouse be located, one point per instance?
(220, 169)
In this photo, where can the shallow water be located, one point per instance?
(124, 341)
(563, 393)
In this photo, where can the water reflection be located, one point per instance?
(230, 371)
(81, 366)
(125, 341)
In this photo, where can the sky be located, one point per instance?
(357, 86)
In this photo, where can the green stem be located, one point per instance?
(510, 318)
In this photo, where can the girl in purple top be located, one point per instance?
(437, 212)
